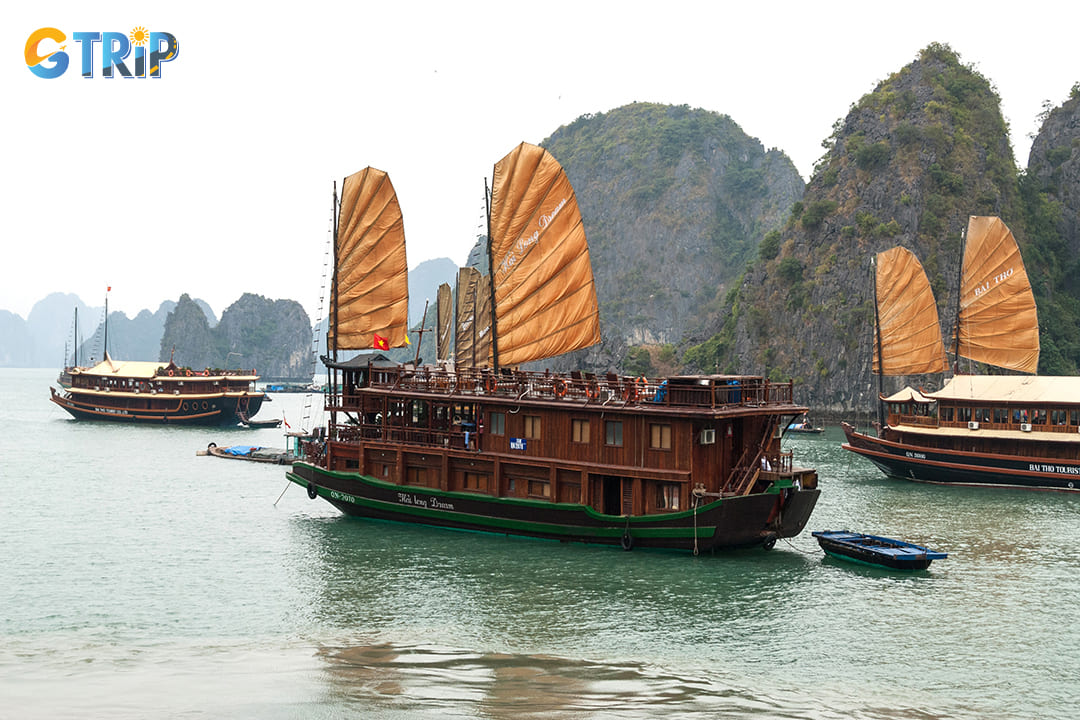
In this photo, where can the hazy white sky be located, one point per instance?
(216, 178)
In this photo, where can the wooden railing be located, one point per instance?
(711, 392)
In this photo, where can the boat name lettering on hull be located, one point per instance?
(433, 503)
(1060, 469)
(915, 455)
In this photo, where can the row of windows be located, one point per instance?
(659, 433)
(666, 498)
(1004, 416)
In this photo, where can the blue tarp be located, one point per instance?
(242, 449)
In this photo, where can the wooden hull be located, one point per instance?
(955, 467)
(877, 551)
(731, 522)
(159, 409)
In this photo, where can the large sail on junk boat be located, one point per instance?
(996, 430)
(686, 462)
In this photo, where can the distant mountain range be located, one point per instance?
(47, 337)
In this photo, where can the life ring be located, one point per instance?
(170, 373)
(592, 392)
(185, 405)
(627, 541)
(560, 388)
(189, 372)
(311, 491)
(211, 446)
(490, 384)
(203, 404)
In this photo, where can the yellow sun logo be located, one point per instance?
(139, 36)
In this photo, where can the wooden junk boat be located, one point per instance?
(876, 550)
(476, 443)
(159, 393)
(992, 430)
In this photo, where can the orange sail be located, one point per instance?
(444, 309)
(910, 333)
(545, 298)
(998, 322)
(370, 293)
(472, 337)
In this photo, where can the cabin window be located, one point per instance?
(476, 481)
(1058, 417)
(532, 427)
(1001, 415)
(1074, 417)
(963, 414)
(579, 430)
(416, 476)
(947, 414)
(613, 433)
(667, 497)
(1038, 417)
(660, 436)
(540, 488)
(497, 423)
(419, 412)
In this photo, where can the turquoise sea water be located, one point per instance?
(140, 580)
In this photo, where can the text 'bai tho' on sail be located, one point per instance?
(909, 332)
(369, 298)
(998, 322)
(545, 296)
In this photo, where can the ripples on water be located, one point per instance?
(141, 580)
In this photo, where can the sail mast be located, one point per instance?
(491, 284)
(881, 356)
(959, 292)
(332, 320)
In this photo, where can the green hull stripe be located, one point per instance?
(638, 526)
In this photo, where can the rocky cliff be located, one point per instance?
(906, 166)
(270, 336)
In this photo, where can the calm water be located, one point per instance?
(139, 580)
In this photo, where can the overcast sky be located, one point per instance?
(215, 179)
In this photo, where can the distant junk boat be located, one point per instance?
(473, 443)
(161, 393)
(993, 430)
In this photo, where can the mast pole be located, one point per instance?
(491, 277)
(877, 337)
(331, 322)
(959, 290)
(105, 332)
(423, 326)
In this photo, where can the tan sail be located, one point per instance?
(998, 323)
(472, 337)
(545, 298)
(444, 309)
(907, 317)
(370, 293)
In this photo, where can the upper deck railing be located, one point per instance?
(708, 391)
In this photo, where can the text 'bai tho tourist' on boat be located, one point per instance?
(478, 443)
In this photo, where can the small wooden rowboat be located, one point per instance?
(874, 550)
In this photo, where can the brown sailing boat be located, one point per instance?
(691, 463)
(998, 430)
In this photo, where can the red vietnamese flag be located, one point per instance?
(381, 343)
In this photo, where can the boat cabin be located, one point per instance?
(622, 445)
